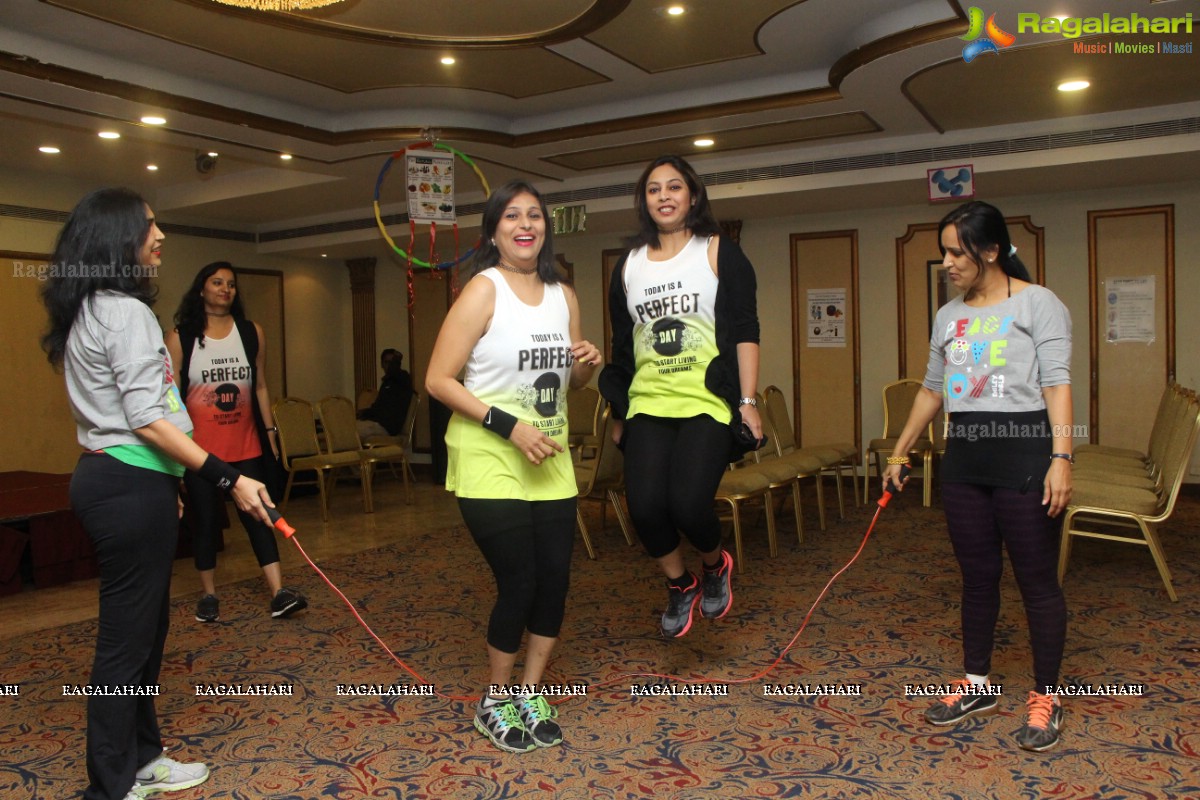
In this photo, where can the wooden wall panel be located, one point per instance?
(1127, 378)
(825, 396)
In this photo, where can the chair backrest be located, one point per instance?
(583, 411)
(898, 399)
(775, 408)
(297, 428)
(609, 470)
(340, 424)
(365, 398)
(1179, 450)
(410, 421)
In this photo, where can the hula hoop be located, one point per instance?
(379, 217)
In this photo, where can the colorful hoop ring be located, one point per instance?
(379, 185)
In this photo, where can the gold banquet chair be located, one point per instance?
(300, 451)
(602, 478)
(737, 487)
(583, 421)
(1099, 504)
(341, 436)
(402, 440)
(898, 399)
(808, 462)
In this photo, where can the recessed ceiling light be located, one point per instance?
(1073, 86)
(447, 60)
(49, 149)
(109, 135)
(704, 142)
(213, 154)
(154, 121)
(286, 156)
(152, 167)
(675, 11)
(324, 255)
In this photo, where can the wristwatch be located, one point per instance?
(748, 401)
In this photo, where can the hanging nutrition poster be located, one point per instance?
(430, 183)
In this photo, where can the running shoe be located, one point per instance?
(718, 590)
(287, 602)
(960, 704)
(538, 717)
(168, 775)
(1044, 716)
(208, 609)
(677, 619)
(499, 720)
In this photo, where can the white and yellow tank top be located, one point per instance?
(673, 307)
(522, 365)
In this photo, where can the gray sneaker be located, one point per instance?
(499, 720)
(1042, 723)
(287, 602)
(718, 591)
(168, 775)
(677, 619)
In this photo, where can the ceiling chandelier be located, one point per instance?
(278, 5)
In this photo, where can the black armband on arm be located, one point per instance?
(499, 422)
(218, 473)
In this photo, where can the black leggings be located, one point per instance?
(203, 502)
(528, 546)
(131, 516)
(672, 470)
(983, 521)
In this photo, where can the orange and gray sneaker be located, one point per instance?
(962, 702)
(1043, 720)
(677, 619)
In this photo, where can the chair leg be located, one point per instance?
(287, 493)
(866, 494)
(927, 478)
(1064, 547)
(583, 531)
(820, 500)
(1160, 559)
(772, 543)
(853, 465)
(798, 509)
(615, 499)
(324, 495)
(366, 472)
(407, 485)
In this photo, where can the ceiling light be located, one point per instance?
(447, 60)
(109, 135)
(704, 142)
(213, 154)
(1073, 86)
(49, 149)
(286, 156)
(154, 120)
(278, 5)
(152, 167)
(675, 11)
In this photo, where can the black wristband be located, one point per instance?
(499, 422)
(217, 472)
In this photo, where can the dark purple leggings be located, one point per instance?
(984, 520)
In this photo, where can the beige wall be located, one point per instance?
(318, 298)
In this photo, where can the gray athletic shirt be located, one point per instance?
(999, 358)
(118, 372)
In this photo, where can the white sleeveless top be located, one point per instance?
(522, 365)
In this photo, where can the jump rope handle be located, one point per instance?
(280, 523)
(891, 487)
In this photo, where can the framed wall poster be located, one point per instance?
(954, 183)
(939, 288)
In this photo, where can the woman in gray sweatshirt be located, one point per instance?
(125, 490)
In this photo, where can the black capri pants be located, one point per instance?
(203, 502)
(132, 517)
(528, 544)
(672, 470)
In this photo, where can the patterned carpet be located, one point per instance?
(890, 621)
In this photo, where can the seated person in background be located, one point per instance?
(385, 417)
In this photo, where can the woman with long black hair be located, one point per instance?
(220, 367)
(1000, 361)
(134, 429)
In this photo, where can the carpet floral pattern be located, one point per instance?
(888, 624)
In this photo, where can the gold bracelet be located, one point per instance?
(897, 460)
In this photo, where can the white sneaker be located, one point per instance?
(167, 775)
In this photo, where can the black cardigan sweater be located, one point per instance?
(736, 322)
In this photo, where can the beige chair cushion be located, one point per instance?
(1097, 494)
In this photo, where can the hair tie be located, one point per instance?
(1012, 250)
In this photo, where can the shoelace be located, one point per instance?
(1041, 706)
(539, 709)
(507, 715)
